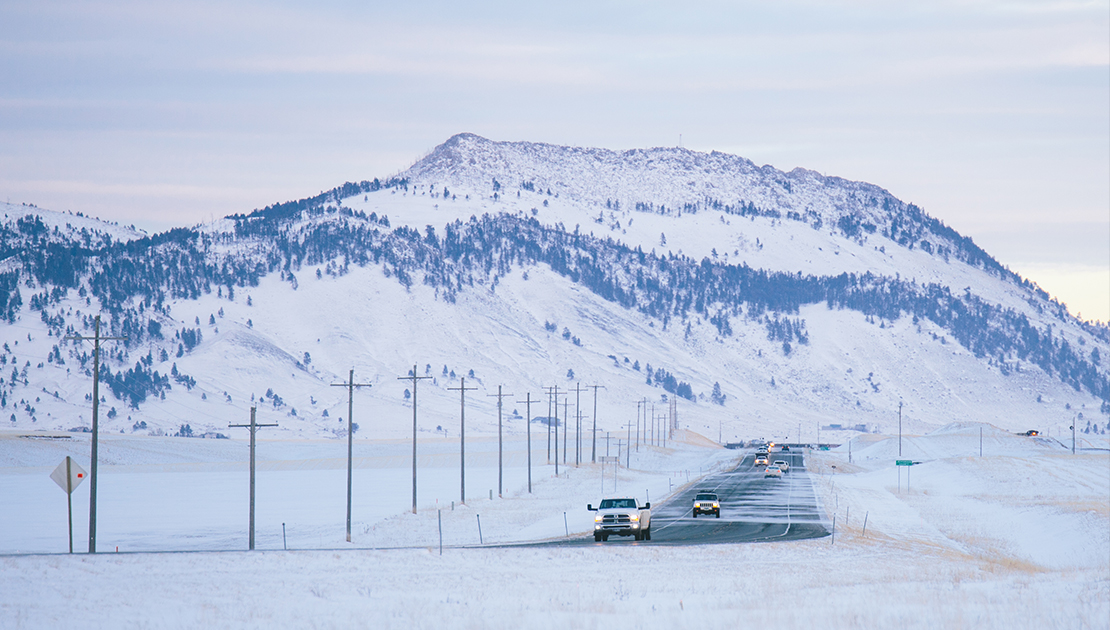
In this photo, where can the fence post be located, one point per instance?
(865, 515)
(439, 516)
(565, 525)
(480, 541)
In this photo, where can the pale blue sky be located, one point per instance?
(993, 116)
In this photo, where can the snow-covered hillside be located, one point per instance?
(766, 303)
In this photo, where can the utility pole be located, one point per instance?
(253, 426)
(96, 339)
(638, 403)
(500, 478)
(566, 430)
(652, 425)
(462, 389)
(415, 379)
(672, 415)
(554, 394)
(627, 448)
(593, 440)
(528, 421)
(578, 423)
(1072, 436)
(350, 385)
(899, 428)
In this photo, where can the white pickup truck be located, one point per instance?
(621, 517)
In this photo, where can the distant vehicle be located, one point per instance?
(761, 459)
(621, 517)
(772, 471)
(1032, 433)
(782, 465)
(707, 503)
(785, 448)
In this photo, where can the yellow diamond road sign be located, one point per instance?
(76, 475)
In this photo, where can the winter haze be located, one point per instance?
(878, 234)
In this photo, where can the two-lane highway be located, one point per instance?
(754, 508)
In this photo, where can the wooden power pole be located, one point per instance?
(350, 385)
(96, 339)
(415, 379)
(528, 422)
(500, 474)
(253, 426)
(462, 389)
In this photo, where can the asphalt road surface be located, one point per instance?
(753, 509)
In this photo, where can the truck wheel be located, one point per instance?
(637, 536)
(598, 538)
(647, 533)
(604, 537)
(695, 514)
(718, 515)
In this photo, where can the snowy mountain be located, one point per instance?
(764, 302)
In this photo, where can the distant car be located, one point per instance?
(785, 448)
(1032, 433)
(782, 465)
(707, 503)
(772, 471)
(761, 459)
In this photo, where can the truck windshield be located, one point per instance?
(609, 504)
(706, 497)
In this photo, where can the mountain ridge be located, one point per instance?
(729, 323)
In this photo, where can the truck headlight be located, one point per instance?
(634, 518)
(697, 505)
(597, 518)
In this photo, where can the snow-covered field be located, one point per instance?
(1018, 538)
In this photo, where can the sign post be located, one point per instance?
(68, 475)
(907, 463)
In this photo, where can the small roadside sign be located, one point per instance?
(607, 459)
(904, 462)
(68, 468)
(68, 475)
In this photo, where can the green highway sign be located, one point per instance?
(904, 462)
